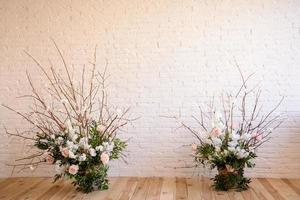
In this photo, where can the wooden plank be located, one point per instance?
(67, 188)
(270, 189)
(21, 185)
(283, 189)
(6, 183)
(295, 187)
(168, 190)
(181, 189)
(48, 192)
(235, 195)
(35, 190)
(113, 191)
(141, 190)
(129, 189)
(260, 191)
(207, 191)
(194, 189)
(154, 189)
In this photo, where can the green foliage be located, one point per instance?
(92, 173)
(119, 146)
(231, 180)
(94, 178)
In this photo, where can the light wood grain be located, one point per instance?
(148, 188)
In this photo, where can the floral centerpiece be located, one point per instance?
(74, 130)
(227, 146)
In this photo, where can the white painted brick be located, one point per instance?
(165, 58)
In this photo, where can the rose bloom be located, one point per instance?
(104, 158)
(216, 132)
(49, 158)
(257, 136)
(194, 147)
(65, 152)
(101, 128)
(73, 169)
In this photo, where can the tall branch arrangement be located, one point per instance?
(229, 137)
(74, 128)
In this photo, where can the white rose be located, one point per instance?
(93, 152)
(99, 148)
(72, 155)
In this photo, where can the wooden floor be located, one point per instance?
(147, 189)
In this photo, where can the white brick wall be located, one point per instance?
(165, 57)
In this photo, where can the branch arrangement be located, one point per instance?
(74, 127)
(229, 137)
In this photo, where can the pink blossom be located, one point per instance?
(101, 128)
(49, 158)
(194, 147)
(73, 169)
(257, 136)
(65, 152)
(104, 158)
(216, 132)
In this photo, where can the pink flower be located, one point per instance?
(101, 128)
(194, 147)
(49, 158)
(73, 169)
(64, 152)
(104, 158)
(216, 132)
(257, 136)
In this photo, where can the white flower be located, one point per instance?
(72, 155)
(83, 142)
(59, 140)
(69, 143)
(52, 136)
(232, 143)
(242, 154)
(99, 148)
(232, 149)
(217, 141)
(105, 144)
(82, 157)
(235, 136)
(86, 146)
(110, 147)
(93, 152)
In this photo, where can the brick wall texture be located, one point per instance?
(165, 57)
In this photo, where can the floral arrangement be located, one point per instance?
(229, 147)
(76, 130)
